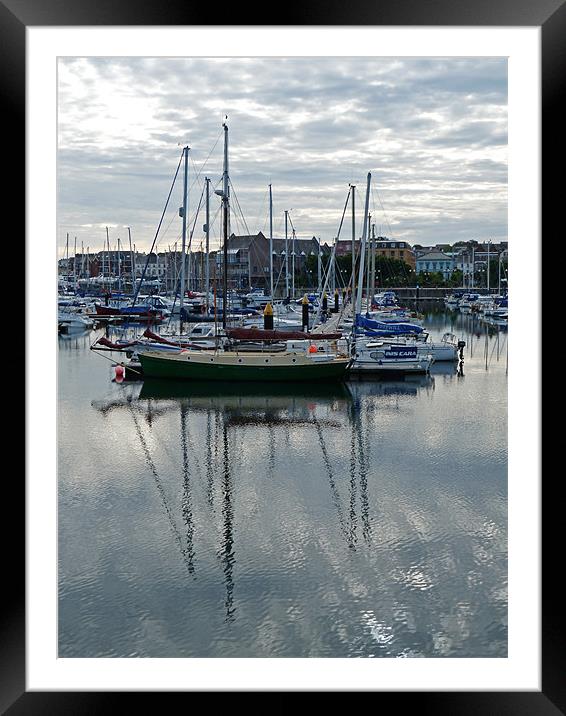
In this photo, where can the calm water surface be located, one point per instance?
(366, 519)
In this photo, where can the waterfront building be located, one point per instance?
(248, 259)
(435, 262)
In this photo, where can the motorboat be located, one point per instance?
(381, 358)
(68, 321)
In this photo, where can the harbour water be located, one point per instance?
(366, 519)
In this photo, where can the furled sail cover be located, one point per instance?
(369, 324)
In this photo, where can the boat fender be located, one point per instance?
(119, 372)
(312, 349)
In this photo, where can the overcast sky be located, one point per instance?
(433, 133)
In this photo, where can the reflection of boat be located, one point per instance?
(444, 368)
(73, 335)
(167, 389)
(410, 386)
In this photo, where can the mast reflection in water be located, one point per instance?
(362, 519)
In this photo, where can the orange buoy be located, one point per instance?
(312, 349)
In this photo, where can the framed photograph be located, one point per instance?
(318, 531)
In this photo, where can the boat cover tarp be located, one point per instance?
(262, 334)
(124, 310)
(160, 339)
(398, 328)
(115, 346)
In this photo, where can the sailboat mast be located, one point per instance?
(184, 217)
(108, 256)
(368, 270)
(353, 190)
(67, 262)
(362, 250)
(293, 264)
(372, 263)
(286, 257)
(319, 268)
(270, 244)
(226, 207)
(488, 266)
(207, 276)
(75, 266)
(119, 268)
(132, 274)
(473, 266)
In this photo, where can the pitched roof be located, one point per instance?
(434, 256)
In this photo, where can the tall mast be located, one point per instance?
(368, 270)
(286, 256)
(132, 274)
(67, 262)
(226, 210)
(372, 263)
(488, 247)
(293, 264)
(270, 244)
(75, 266)
(319, 268)
(184, 216)
(119, 268)
(108, 255)
(224, 193)
(473, 266)
(362, 250)
(353, 189)
(207, 276)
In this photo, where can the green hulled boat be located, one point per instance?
(248, 366)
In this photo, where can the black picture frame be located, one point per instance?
(550, 15)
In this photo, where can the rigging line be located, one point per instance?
(195, 220)
(384, 212)
(159, 486)
(331, 481)
(158, 228)
(261, 210)
(164, 233)
(332, 258)
(198, 173)
(196, 180)
(240, 208)
(278, 277)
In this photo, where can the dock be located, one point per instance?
(331, 325)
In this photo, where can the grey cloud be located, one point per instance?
(430, 130)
